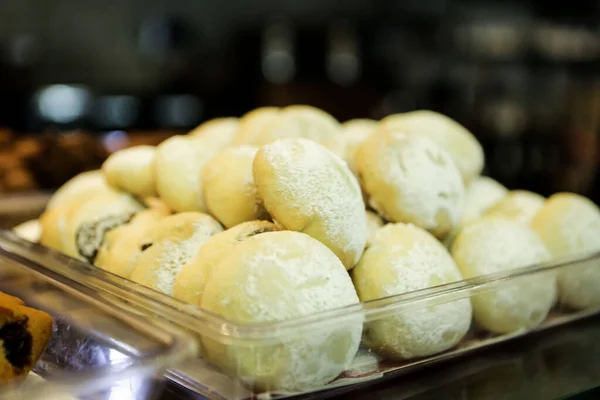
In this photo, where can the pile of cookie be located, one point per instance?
(285, 212)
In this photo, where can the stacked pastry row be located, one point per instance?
(285, 212)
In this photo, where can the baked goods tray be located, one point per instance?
(270, 348)
(96, 350)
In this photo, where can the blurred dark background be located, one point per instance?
(81, 78)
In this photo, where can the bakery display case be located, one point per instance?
(392, 199)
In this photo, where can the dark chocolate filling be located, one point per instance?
(90, 235)
(146, 246)
(17, 343)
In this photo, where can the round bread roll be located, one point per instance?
(277, 276)
(518, 205)
(569, 224)
(308, 189)
(252, 123)
(403, 258)
(30, 230)
(355, 132)
(300, 121)
(493, 245)
(179, 162)
(120, 248)
(462, 146)
(86, 181)
(229, 189)
(189, 284)
(374, 222)
(89, 221)
(53, 223)
(122, 245)
(217, 132)
(53, 220)
(172, 243)
(411, 179)
(132, 170)
(481, 195)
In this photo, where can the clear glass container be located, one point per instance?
(247, 361)
(97, 350)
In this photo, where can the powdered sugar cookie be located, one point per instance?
(308, 189)
(277, 276)
(53, 228)
(53, 220)
(84, 182)
(179, 162)
(411, 179)
(132, 170)
(462, 146)
(493, 245)
(481, 195)
(403, 258)
(355, 132)
(123, 244)
(172, 242)
(89, 221)
(300, 121)
(518, 205)
(252, 123)
(570, 224)
(217, 132)
(229, 190)
(190, 283)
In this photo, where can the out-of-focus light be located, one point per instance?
(179, 110)
(278, 66)
(343, 68)
(116, 357)
(564, 42)
(496, 39)
(343, 63)
(62, 103)
(133, 387)
(116, 111)
(506, 118)
(115, 140)
(278, 63)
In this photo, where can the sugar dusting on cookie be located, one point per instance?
(309, 189)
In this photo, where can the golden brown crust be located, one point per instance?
(24, 334)
(8, 299)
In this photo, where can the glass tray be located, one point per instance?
(204, 378)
